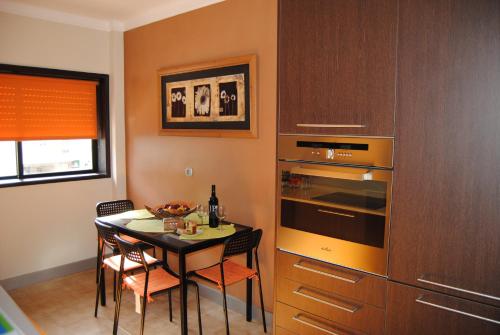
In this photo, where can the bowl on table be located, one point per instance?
(172, 208)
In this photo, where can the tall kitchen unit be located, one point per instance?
(350, 68)
(444, 258)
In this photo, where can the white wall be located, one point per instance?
(44, 226)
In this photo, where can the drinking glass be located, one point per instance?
(201, 210)
(221, 215)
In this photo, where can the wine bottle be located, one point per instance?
(213, 203)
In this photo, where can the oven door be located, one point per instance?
(336, 214)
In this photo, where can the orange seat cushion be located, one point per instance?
(114, 262)
(159, 280)
(233, 272)
(129, 239)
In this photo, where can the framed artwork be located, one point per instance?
(209, 99)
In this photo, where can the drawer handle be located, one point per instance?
(302, 267)
(320, 125)
(421, 300)
(422, 280)
(312, 325)
(335, 213)
(307, 296)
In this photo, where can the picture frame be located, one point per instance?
(212, 99)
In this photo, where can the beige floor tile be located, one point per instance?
(66, 306)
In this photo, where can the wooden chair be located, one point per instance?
(107, 239)
(146, 284)
(227, 272)
(106, 208)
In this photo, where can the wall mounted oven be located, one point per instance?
(334, 199)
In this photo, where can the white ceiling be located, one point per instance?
(119, 15)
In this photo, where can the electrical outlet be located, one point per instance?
(188, 171)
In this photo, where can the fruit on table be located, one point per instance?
(179, 208)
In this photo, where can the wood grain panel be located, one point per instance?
(445, 223)
(337, 62)
(364, 287)
(332, 307)
(283, 331)
(407, 316)
(303, 323)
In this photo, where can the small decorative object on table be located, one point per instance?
(173, 223)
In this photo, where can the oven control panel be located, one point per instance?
(346, 150)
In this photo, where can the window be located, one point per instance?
(54, 125)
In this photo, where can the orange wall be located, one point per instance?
(242, 169)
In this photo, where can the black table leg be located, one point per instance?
(249, 288)
(103, 287)
(183, 293)
(164, 258)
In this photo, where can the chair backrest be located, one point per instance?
(131, 251)
(106, 234)
(241, 242)
(114, 207)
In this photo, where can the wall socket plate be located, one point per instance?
(188, 171)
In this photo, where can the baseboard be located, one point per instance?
(48, 274)
(234, 304)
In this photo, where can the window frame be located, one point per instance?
(101, 160)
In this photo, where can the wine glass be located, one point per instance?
(221, 215)
(201, 210)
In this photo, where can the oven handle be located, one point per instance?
(347, 173)
(336, 213)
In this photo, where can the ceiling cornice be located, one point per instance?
(16, 8)
(167, 10)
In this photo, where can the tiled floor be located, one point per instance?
(66, 306)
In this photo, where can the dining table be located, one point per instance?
(171, 242)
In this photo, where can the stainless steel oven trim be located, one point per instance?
(381, 255)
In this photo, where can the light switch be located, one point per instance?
(188, 171)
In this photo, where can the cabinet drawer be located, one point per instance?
(413, 311)
(331, 278)
(283, 331)
(300, 322)
(344, 311)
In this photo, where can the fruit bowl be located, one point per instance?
(172, 208)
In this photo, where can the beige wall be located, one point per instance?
(44, 226)
(242, 169)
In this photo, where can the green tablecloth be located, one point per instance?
(195, 218)
(148, 226)
(135, 214)
(211, 233)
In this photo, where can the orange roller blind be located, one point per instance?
(43, 108)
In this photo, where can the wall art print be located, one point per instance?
(210, 99)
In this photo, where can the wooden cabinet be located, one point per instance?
(445, 230)
(312, 294)
(296, 321)
(412, 311)
(331, 278)
(337, 62)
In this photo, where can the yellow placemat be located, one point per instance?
(148, 226)
(195, 218)
(135, 214)
(211, 233)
